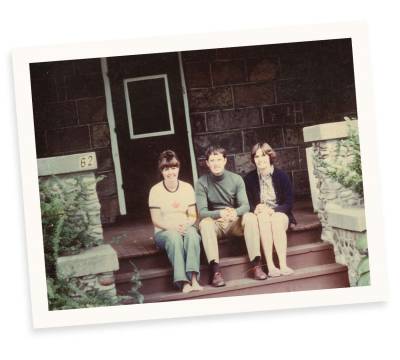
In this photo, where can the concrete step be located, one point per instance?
(326, 276)
(227, 247)
(159, 278)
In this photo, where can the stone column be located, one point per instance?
(340, 210)
(94, 262)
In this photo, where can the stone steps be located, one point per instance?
(309, 278)
(159, 278)
(227, 248)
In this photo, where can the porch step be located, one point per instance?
(160, 278)
(228, 247)
(309, 278)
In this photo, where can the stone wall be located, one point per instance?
(69, 111)
(93, 268)
(92, 263)
(239, 96)
(340, 210)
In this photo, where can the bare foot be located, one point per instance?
(286, 270)
(274, 272)
(196, 286)
(187, 288)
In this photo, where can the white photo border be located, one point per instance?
(378, 289)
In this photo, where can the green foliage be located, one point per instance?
(361, 244)
(363, 266)
(364, 280)
(69, 293)
(64, 226)
(348, 175)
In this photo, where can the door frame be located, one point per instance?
(113, 134)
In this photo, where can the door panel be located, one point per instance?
(139, 155)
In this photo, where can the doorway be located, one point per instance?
(147, 101)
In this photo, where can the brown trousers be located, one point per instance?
(211, 230)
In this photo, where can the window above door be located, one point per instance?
(148, 106)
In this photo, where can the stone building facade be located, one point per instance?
(237, 96)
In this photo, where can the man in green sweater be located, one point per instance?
(224, 210)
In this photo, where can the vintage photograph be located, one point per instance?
(218, 172)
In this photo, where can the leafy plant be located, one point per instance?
(348, 174)
(64, 226)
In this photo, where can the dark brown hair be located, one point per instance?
(168, 159)
(215, 150)
(266, 150)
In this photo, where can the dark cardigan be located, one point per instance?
(282, 187)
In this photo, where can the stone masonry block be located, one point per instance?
(52, 69)
(41, 143)
(254, 94)
(197, 74)
(68, 139)
(104, 159)
(108, 186)
(210, 99)
(346, 218)
(109, 209)
(272, 135)
(293, 135)
(83, 86)
(56, 115)
(328, 131)
(67, 164)
(301, 183)
(241, 52)
(262, 69)
(100, 135)
(228, 72)
(198, 122)
(92, 111)
(279, 114)
(87, 66)
(99, 259)
(231, 141)
(294, 67)
(199, 55)
(243, 163)
(287, 159)
(293, 90)
(44, 90)
(233, 119)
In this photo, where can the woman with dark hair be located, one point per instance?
(271, 198)
(173, 212)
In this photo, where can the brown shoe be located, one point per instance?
(258, 273)
(217, 280)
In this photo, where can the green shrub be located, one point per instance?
(349, 174)
(64, 228)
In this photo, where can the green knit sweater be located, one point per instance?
(214, 193)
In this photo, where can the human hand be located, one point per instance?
(270, 211)
(181, 228)
(260, 208)
(228, 214)
(232, 214)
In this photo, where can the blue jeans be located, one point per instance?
(183, 251)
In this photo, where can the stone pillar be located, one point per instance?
(340, 210)
(93, 267)
(92, 262)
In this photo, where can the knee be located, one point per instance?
(280, 219)
(206, 223)
(249, 219)
(263, 218)
(173, 239)
(192, 235)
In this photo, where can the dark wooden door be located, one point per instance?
(150, 121)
